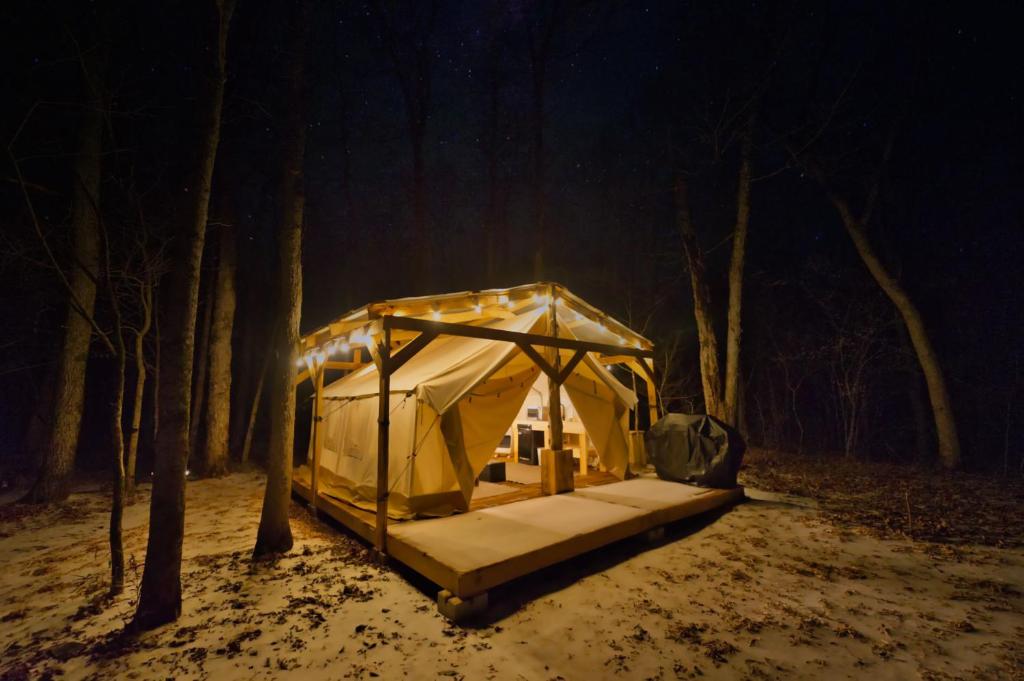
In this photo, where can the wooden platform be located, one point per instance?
(469, 553)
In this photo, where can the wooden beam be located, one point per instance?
(445, 329)
(318, 438)
(344, 366)
(302, 376)
(383, 431)
(615, 359)
(647, 373)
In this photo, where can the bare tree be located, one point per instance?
(492, 143)
(160, 598)
(856, 225)
(409, 49)
(710, 372)
(60, 440)
(730, 411)
(215, 451)
(274, 534)
(544, 20)
(112, 340)
(201, 361)
(254, 406)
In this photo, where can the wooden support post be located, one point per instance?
(584, 448)
(555, 386)
(318, 438)
(652, 402)
(383, 430)
(556, 462)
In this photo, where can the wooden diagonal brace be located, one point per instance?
(568, 368)
(408, 350)
(544, 365)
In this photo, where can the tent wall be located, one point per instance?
(449, 408)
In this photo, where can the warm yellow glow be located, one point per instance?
(503, 299)
(436, 315)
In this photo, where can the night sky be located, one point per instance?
(635, 91)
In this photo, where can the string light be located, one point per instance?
(477, 307)
(503, 299)
(344, 345)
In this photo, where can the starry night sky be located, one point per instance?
(635, 92)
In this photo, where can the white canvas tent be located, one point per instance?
(457, 368)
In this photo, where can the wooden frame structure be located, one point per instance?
(394, 331)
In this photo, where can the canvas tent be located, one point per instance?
(456, 369)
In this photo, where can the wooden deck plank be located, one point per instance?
(511, 535)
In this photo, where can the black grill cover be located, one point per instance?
(695, 448)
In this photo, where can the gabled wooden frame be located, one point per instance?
(388, 359)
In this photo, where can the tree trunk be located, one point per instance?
(491, 136)
(739, 249)
(255, 407)
(117, 461)
(65, 420)
(199, 386)
(156, 365)
(424, 270)
(140, 388)
(274, 534)
(160, 598)
(942, 410)
(215, 453)
(35, 440)
(710, 374)
(538, 62)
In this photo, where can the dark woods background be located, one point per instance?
(464, 145)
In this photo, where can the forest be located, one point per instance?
(810, 209)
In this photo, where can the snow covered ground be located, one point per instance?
(765, 590)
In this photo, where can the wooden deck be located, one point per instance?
(510, 535)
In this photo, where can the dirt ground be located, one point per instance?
(775, 588)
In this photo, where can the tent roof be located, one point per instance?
(451, 366)
(578, 319)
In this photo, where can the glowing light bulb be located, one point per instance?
(503, 299)
(344, 346)
(300, 362)
(436, 315)
(478, 308)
